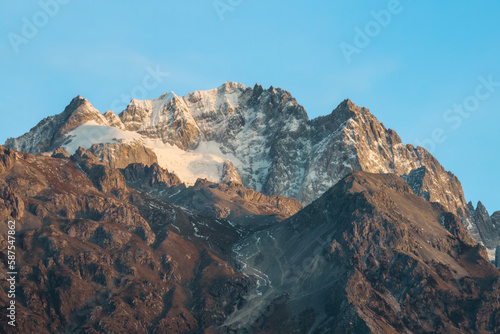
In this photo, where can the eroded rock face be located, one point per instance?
(488, 228)
(142, 176)
(173, 122)
(368, 257)
(49, 133)
(495, 218)
(105, 178)
(11, 204)
(61, 153)
(101, 261)
(8, 158)
(120, 155)
(229, 173)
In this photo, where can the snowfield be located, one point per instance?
(205, 162)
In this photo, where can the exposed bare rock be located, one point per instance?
(166, 117)
(365, 144)
(148, 176)
(488, 229)
(368, 257)
(11, 204)
(113, 119)
(229, 173)
(120, 155)
(93, 262)
(495, 218)
(243, 206)
(276, 149)
(61, 153)
(105, 178)
(85, 159)
(8, 158)
(372, 252)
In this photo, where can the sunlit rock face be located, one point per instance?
(261, 138)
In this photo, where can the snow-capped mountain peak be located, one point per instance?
(271, 143)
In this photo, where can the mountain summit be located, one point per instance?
(264, 133)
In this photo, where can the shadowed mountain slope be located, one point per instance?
(368, 257)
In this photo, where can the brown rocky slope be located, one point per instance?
(368, 257)
(94, 256)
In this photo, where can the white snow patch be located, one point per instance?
(213, 148)
(92, 133)
(188, 166)
(205, 162)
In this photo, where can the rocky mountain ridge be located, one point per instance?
(259, 137)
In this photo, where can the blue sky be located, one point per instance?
(420, 70)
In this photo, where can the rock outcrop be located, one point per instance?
(142, 176)
(105, 178)
(120, 155)
(488, 227)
